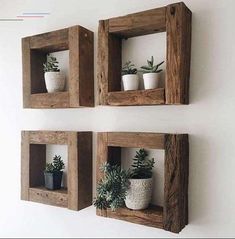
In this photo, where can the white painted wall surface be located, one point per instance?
(209, 119)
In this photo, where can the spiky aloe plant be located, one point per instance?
(129, 68)
(151, 68)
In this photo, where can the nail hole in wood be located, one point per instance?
(172, 10)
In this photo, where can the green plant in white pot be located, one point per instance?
(151, 74)
(130, 78)
(53, 173)
(139, 193)
(54, 78)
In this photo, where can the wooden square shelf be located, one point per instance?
(175, 19)
(78, 195)
(173, 216)
(80, 43)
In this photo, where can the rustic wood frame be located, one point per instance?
(173, 216)
(33, 160)
(80, 43)
(175, 19)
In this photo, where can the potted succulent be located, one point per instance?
(53, 173)
(112, 188)
(130, 78)
(150, 74)
(139, 192)
(54, 79)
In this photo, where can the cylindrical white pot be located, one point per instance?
(151, 80)
(55, 81)
(139, 193)
(130, 82)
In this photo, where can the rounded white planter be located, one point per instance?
(151, 80)
(139, 193)
(55, 81)
(130, 82)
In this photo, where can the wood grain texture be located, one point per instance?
(37, 163)
(152, 216)
(178, 27)
(84, 169)
(79, 193)
(48, 137)
(138, 24)
(176, 182)
(140, 97)
(102, 154)
(86, 67)
(109, 62)
(174, 214)
(24, 165)
(50, 41)
(136, 140)
(49, 100)
(103, 61)
(37, 58)
(57, 198)
(80, 43)
(26, 72)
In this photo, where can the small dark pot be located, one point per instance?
(53, 180)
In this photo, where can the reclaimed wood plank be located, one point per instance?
(139, 97)
(57, 198)
(136, 140)
(178, 27)
(175, 215)
(138, 24)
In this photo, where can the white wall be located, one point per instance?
(209, 120)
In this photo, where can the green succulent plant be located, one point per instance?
(56, 166)
(129, 68)
(112, 188)
(142, 166)
(51, 65)
(151, 68)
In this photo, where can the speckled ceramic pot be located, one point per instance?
(139, 193)
(55, 81)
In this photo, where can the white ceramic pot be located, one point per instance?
(130, 82)
(151, 80)
(55, 81)
(139, 193)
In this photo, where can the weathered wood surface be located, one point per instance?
(102, 153)
(137, 24)
(26, 72)
(136, 140)
(24, 165)
(84, 170)
(176, 182)
(175, 19)
(139, 97)
(80, 170)
(79, 167)
(80, 43)
(174, 215)
(50, 100)
(57, 198)
(152, 216)
(178, 27)
(109, 62)
(86, 68)
(50, 41)
(48, 137)
(37, 162)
